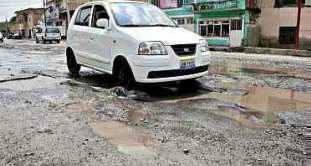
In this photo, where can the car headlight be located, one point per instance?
(152, 48)
(203, 45)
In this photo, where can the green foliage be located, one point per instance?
(2, 26)
(13, 19)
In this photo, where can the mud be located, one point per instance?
(250, 110)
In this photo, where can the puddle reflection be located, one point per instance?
(126, 139)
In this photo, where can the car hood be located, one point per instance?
(167, 35)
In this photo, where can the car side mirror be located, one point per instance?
(102, 23)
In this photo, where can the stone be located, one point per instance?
(186, 151)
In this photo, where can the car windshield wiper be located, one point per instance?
(133, 25)
(162, 25)
(145, 25)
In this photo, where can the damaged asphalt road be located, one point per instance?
(248, 111)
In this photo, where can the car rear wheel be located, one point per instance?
(124, 76)
(37, 40)
(73, 66)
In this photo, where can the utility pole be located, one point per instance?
(297, 44)
(44, 7)
(68, 16)
(7, 26)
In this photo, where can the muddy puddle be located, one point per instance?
(238, 68)
(126, 139)
(259, 107)
(252, 105)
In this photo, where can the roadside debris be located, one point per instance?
(18, 77)
(232, 106)
(186, 151)
(119, 91)
(46, 131)
(44, 74)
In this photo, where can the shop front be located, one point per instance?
(183, 16)
(223, 23)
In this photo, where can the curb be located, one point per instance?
(286, 52)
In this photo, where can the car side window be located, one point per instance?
(83, 16)
(99, 13)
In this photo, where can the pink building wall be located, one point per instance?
(271, 19)
(168, 4)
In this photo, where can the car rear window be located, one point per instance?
(52, 30)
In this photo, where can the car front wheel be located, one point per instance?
(73, 66)
(124, 76)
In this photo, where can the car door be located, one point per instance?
(80, 34)
(100, 40)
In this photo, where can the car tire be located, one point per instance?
(73, 66)
(189, 84)
(58, 41)
(44, 41)
(37, 40)
(124, 76)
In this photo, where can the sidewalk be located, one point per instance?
(277, 51)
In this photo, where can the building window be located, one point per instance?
(287, 3)
(217, 30)
(180, 21)
(190, 21)
(185, 20)
(59, 23)
(214, 28)
(203, 31)
(287, 35)
(236, 24)
(225, 30)
(210, 30)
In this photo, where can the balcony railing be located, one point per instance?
(216, 4)
(170, 4)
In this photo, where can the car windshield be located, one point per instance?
(52, 30)
(139, 14)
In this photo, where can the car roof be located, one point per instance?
(110, 1)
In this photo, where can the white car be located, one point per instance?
(134, 42)
(48, 34)
(1, 38)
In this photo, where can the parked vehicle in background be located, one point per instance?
(1, 37)
(16, 36)
(48, 34)
(135, 42)
(9, 35)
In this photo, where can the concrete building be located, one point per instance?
(27, 19)
(56, 12)
(181, 11)
(278, 22)
(224, 23)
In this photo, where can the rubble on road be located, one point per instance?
(17, 77)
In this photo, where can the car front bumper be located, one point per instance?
(52, 38)
(167, 68)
